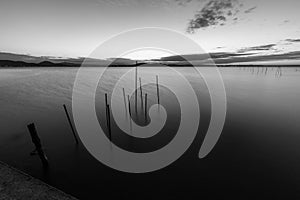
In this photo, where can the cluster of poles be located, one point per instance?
(143, 101)
(37, 141)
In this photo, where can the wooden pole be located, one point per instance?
(141, 92)
(146, 108)
(69, 120)
(157, 89)
(136, 73)
(107, 109)
(125, 104)
(37, 142)
(108, 121)
(106, 103)
(129, 108)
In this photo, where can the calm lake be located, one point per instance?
(257, 155)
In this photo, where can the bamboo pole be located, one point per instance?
(146, 108)
(107, 109)
(108, 121)
(136, 74)
(129, 107)
(157, 90)
(106, 103)
(141, 93)
(125, 104)
(70, 123)
(129, 111)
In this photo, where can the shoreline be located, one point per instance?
(15, 184)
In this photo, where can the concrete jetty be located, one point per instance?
(15, 185)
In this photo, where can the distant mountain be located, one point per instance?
(19, 60)
(9, 63)
(21, 57)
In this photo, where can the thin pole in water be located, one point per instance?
(141, 91)
(124, 97)
(107, 116)
(136, 74)
(37, 142)
(157, 89)
(70, 123)
(129, 108)
(146, 108)
(108, 121)
(106, 103)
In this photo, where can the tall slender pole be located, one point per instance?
(129, 111)
(141, 92)
(146, 108)
(125, 104)
(106, 103)
(129, 108)
(136, 74)
(157, 89)
(70, 123)
(108, 121)
(107, 116)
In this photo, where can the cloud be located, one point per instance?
(217, 12)
(183, 2)
(193, 57)
(221, 58)
(295, 55)
(292, 40)
(250, 9)
(257, 48)
(213, 13)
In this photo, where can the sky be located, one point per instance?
(74, 28)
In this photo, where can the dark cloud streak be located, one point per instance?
(250, 10)
(257, 48)
(213, 13)
(232, 58)
(292, 40)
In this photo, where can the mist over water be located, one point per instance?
(257, 154)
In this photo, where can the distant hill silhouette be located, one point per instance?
(22, 60)
(117, 62)
(9, 63)
(219, 58)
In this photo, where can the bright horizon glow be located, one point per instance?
(147, 54)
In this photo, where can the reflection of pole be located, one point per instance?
(157, 89)
(37, 142)
(141, 90)
(69, 120)
(146, 108)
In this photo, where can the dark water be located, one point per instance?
(257, 156)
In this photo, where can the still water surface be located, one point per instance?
(258, 154)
